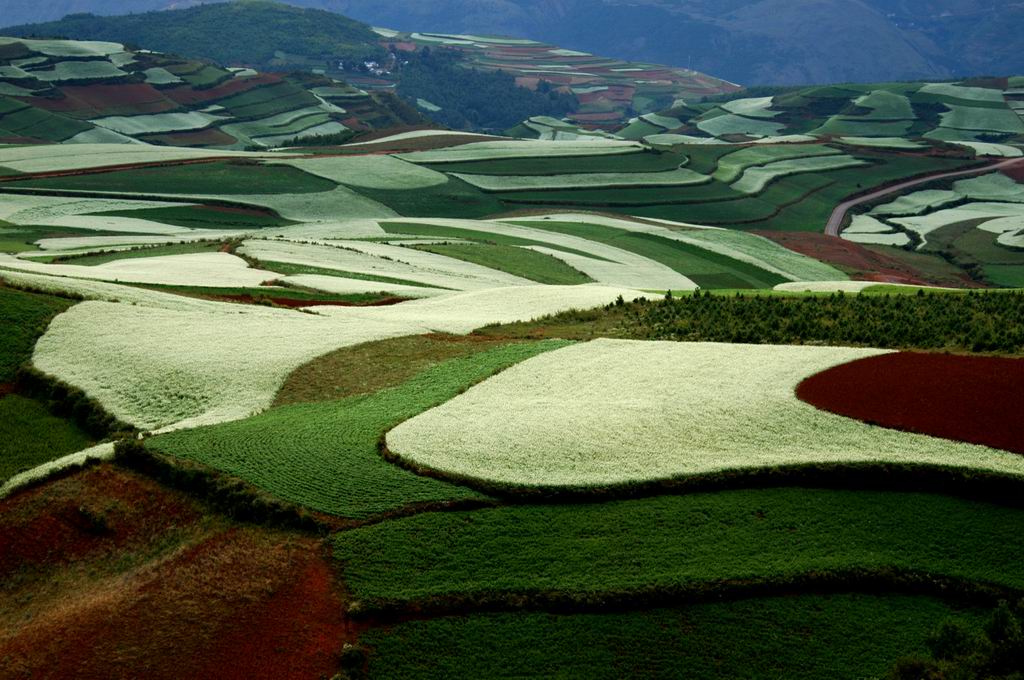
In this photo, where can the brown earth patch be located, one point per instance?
(207, 137)
(972, 399)
(189, 595)
(295, 303)
(1016, 173)
(861, 263)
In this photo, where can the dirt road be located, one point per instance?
(835, 222)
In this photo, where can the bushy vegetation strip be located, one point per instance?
(324, 455)
(954, 321)
(651, 551)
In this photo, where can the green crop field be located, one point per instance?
(25, 317)
(686, 545)
(528, 264)
(324, 455)
(803, 637)
(157, 251)
(706, 268)
(225, 178)
(31, 435)
(203, 217)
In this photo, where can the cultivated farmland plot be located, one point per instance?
(613, 412)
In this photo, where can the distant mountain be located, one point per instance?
(746, 41)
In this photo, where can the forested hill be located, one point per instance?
(254, 33)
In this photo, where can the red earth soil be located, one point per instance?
(186, 595)
(185, 94)
(972, 399)
(295, 303)
(864, 264)
(207, 137)
(1016, 173)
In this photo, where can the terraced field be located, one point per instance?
(436, 404)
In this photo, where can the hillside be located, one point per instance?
(264, 35)
(463, 82)
(87, 92)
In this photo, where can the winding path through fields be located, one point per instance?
(835, 222)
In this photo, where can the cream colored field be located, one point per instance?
(613, 412)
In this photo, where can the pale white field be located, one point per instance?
(382, 260)
(217, 270)
(157, 122)
(527, 148)
(916, 203)
(593, 180)
(925, 224)
(755, 179)
(374, 172)
(753, 107)
(613, 412)
(197, 362)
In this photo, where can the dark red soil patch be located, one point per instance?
(295, 303)
(207, 137)
(860, 262)
(188, 96)
(966, 398)
(1016, 173)
(85, 516)
(5, 389)
(202, 599)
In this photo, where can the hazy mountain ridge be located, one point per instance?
(759, 41)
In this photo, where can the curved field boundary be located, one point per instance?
(966, 398)
(835, 222)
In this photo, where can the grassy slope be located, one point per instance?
(679, 544)
(23, 318)
(324, 455)
(528, 264)
(222, 178)
(800, 638)
(30, 435)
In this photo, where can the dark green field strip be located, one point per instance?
(29, 121)
(707, 269)
(800, 637)
(647, 161)
(627, 197)
(30, 435)
(639, 551)
(220, 178)
(1009, 276)
(324, 455)
(528, 264)
(204, 217)
(442, 231)
(23, 319)
(454, 198)
(264, 294)
(262, 102)
(289, 269)
(150, 251)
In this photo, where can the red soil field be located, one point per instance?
(189, 595)
(972, 399)
(188, 96)
(1016, 173)
(207, 137)
(91, 101)
(862, 263)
